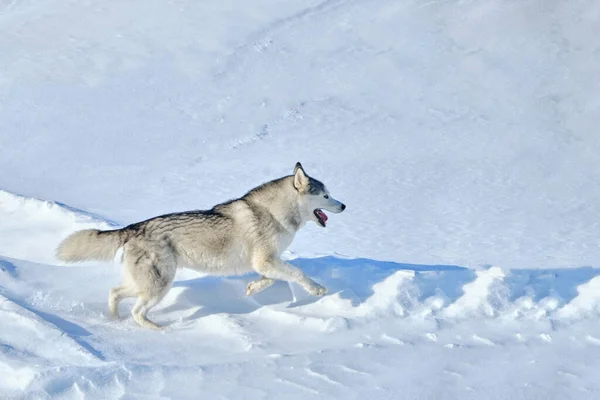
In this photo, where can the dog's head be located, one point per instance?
(314, 197)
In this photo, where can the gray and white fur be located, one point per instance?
(239, 236)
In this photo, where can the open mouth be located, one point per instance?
(321, 217)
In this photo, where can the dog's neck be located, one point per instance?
(280, 198)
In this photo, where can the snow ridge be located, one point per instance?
(60, 342)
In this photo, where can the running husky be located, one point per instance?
(239, 236)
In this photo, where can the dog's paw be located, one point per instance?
(318, 290)
(252, 288)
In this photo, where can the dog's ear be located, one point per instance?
(297, 167)
(300, 178)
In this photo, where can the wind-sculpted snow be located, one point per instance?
(31, 228)
(57, 341)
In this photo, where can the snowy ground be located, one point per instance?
(462, 135)
(387, 330)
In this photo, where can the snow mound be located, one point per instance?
(61, 343)
(31, 228)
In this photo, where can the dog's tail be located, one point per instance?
(91, 244)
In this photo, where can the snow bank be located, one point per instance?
(31, 228)
(58, 341)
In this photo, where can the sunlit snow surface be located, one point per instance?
(462, 135)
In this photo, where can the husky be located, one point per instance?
(243, 235)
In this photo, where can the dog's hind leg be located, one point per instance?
(117, 294)
(259, 285)
(153, 274)
(141, 308)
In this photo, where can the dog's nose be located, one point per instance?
(343, 206)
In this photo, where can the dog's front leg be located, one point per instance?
(280, 270)
(258, 286)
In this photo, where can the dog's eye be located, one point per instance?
(326, 196)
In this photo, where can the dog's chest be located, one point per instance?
(284, 241)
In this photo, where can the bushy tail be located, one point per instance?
(91, 244)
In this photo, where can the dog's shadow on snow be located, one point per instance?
(351, 279)
(213, 295)
(355, 280)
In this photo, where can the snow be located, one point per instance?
(461, 135)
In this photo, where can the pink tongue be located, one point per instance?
(322, 215)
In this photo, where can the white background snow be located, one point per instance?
(462, 135)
